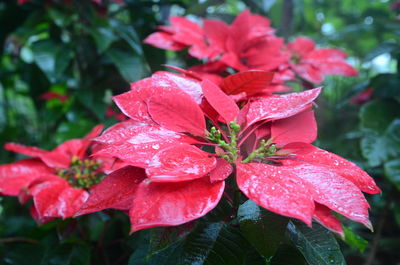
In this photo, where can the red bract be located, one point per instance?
(313, 64)
(265, 145)
(250, 43)
(57, 180)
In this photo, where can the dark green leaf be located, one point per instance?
(192, 249)
(263, 229)
(385, 85)
(378, 114)
(392, 172)
(317, 244)
(129, 64)
(231, 248)
(52, 58)
(287, 255)
(380, 148)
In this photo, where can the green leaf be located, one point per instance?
(386, 85)
(192, 249)
(354, 240)
(381, 148)
(317, 244)
(263, 229)
(231, 248)
(129, 64)
(287, 255)
(392, 172)
(52, 58)
(378, 114)
(103, 37)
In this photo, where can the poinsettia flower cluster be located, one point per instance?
(188, 139)
(58, 181)
(250, 43)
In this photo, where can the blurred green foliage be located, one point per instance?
(89, 52)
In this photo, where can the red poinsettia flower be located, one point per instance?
(57, 180)
(313, 64)
(173, 180)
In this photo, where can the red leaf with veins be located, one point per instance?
(54, 197)
(168, 204)
(179, 163)
(330, 189)
(18, 175)
(251, 82)
(332, 163)
(115, 191)
(280, 193)
(177, 112)
(223, 104)
(136, 143)
(324, 216)
(301, 127)
(221, 171)
(280, 106)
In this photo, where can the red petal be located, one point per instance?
(334, 163)
(223, 104)
(221, 171)
(186, 31)
(324, 216)
(136, 143)
(179, 163)
(19, 175)
(301, 127)
(276, 191)
(280, 106)
(53, 197)
(216, 32)
(250, 82)
(301, 45)
(114, 191)
(177, 112)
(330, 189)
(164, 40)
(25, 150)
(169, 204)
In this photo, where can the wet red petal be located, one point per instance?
(223, 104)
(330, 189)
(324, 216)
(333, 163)
(280, 106)
(222, 170)
(136, 143)
(276, 191)
(250, 82)
(179, 163)
(115, 191)
(169, 204)
(301, 127)
(53, 197)
(177, 112)
(18, 175)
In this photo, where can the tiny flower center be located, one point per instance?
(82, 173)
(296, 58)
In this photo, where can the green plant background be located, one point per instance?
(90, 52)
